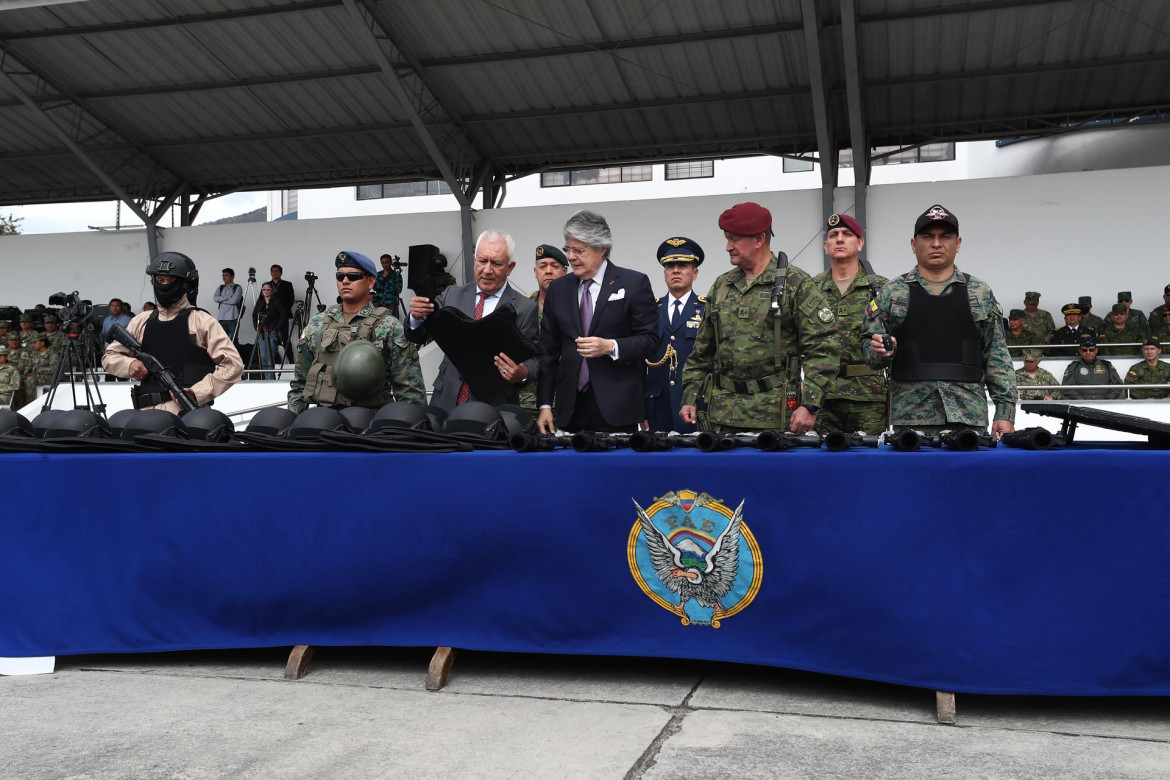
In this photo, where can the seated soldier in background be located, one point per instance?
(1158, 311)
(1089, 321)
(1016, 334)
(1069, 336)
(10, 393)
(1032, 374)
(1160, 328)
(40, 366)
(1149, 372)
(53, 333)
(1039, 322)
(1135, 316)
(1088, 369)
(1119, 332)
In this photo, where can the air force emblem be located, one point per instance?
(695, 557)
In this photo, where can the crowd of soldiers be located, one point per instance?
(28, 357)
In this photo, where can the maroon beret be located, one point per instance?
(845, 221)
(746, 219)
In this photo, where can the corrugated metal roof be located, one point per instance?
(214, 95)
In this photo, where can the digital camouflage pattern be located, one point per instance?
(852, 403)
(1040, 324)
(528, 391)
(942, 402)
(1025, 339)
(9, 385)
(1099, 372)
(403, 374)
(1093, 322)
(1041, 377)
(1130, 334)
(38, 370)
(1144, 374)
(56, 338)
(737, 341)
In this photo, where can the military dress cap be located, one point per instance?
(1151, 341)
(548, 250)
(1031, 297)
(1088, 340)
(1118, 308)
(1085, 301)
(1124, 295)
(680, 250)
(355, 260)
(26, 318)
(845, 221)
(1033, 354)
(1017, 314)
(1071, 308)
(746, 219)
(936, 215)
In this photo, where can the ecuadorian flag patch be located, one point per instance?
(872, 309)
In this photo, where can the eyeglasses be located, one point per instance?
(575, 251)
(353, 276)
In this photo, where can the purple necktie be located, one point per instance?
(586, 321)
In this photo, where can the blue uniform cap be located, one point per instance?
(355, 260)
(680, 250)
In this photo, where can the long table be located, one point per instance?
(997, 571)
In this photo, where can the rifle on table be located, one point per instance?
(661, 441)
(1032, 439)
(767, 441)
(590, 441)
(838, 441)
(161, 374)
(539, 442)
(966, 440)
(911, 440)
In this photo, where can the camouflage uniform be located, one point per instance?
(1040, 324)
(1093, 322)
(1099, 372)
(56, 338)
(1137, 319)
(38, 371)
(528, 391)
(735, 350)
(1041, 377)
(856, 397)
(404, 377)
(1127, 335)
(1025, 339)
(17, 358)
(1145, 374)
(10, 390)
(941, 402)
(1158, 328)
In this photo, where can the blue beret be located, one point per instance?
(355, 260)
(680, 250)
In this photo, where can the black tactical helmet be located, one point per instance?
(177, 265)
(44, 420)
(314, 420)
(14, 424)
(77, 423)
(273, 421)
(208, 425)
(118, 420)
(152, 421)
(398, 414)
(359, 370)
(357, 418)
(516, 419)
(477, 419)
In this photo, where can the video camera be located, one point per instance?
(311, 279)
(73, 311)
(251, 275)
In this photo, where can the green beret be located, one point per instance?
(548, 250)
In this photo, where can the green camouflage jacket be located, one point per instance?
(404, 377)
(940, 402)
(9, 383)
(855, 380)
(1144, 374)
(1041, 377)
(1130, 334)
(736, 342)
(1040, 325)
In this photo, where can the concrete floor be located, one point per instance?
(363, 713)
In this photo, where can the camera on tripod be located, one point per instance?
(396, 263)
(74, 311)
(311, 279)
(251, 275)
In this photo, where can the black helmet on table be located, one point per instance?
(175, 264)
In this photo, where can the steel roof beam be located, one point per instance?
(858, 137)
(826, 143)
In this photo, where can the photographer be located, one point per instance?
(282, 291)
(186, 340)
(388, 285)
(229, 296)
(270, 319)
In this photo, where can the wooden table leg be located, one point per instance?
(440, 667)
(298, 662)
(945, 707)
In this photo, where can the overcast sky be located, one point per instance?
(76, 217)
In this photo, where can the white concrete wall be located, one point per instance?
(1062, 234)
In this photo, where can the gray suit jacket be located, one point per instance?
(448, 381)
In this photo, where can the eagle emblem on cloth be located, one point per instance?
(694, 556)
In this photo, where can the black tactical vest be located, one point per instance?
(174, 346)
(938, 339)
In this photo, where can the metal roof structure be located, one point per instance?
(156, 102)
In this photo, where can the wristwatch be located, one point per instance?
(812, 409)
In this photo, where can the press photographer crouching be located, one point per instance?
(184, 339)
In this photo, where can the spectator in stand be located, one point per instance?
(1039, 322)
(1069, 336)
(115, 317)
(1119, 332)
(1032, 374)
(148, 306)
(1088, 369)
(269, 319)
(1135, 317)
(1016, 334)
(1089, 320)
(1156, 315)
(1160, 329)
(1150, 371)
(229, 296)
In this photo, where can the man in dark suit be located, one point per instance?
(490, 290)
(599, 326)
(680, 312)
(282, 290)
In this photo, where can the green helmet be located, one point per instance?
(359, 370)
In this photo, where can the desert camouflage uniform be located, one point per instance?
(939, 402)
(1041, 377)
(856, 398)
(18, 359)
(736, 343)
(10, 392)
(1112, 335)
(1145, 374)
(1099, 372)
(1040, 324)
(404, 377)
(38, 371)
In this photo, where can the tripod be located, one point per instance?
(249, 294)
(299, 317)
(78, 355)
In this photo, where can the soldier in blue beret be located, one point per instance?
(680, 312)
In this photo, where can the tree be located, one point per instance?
(9, 225)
